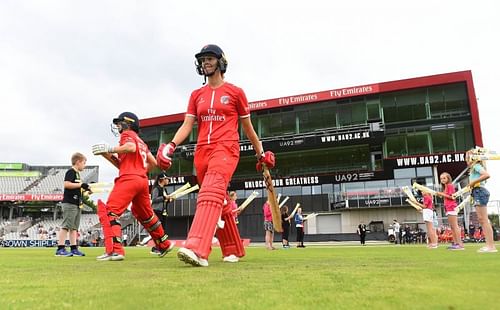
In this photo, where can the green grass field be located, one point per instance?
(318, 277)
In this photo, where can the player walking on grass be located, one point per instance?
(449, 205)
(133, 159)
(477, 179)
(216, 107)
(72, 203)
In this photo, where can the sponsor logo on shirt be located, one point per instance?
(224, 99)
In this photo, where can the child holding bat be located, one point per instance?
(428, 216)
(477, 180)
(448, 189)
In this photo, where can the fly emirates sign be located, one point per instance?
(314, 97)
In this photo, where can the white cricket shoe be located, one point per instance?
(189, 257)
(113, 257)
(231, 259)
(145, 241)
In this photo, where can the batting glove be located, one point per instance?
(165, 154)
(101, 148)
(266, 158)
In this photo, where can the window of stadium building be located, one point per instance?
(319, 117)
(440, 138)
(448, 100)
(271, 125)
(324, 160)
(404, 106)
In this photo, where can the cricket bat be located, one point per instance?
(408, 193)
(462, 191)
(187, 191)
(247, 201)
(284, 201)
(462, 205)
(424, 189)
(271, 195)
(181, 189)
(310, 216)
(414, 204)
(278, 199)
(294, 210)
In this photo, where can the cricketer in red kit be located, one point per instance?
(133, 160)
(217, 108)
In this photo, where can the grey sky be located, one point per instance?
(68, 67)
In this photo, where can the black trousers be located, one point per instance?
(362, 238)
(163, 219)
(300, 234)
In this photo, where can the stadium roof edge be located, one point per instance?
(379, 87)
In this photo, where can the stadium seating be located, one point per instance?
(50, 182)
(87, 221)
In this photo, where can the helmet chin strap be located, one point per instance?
(205, 75)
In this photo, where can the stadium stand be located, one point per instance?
(49, 229)
(40, 179)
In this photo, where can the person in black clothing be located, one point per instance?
(362, 233)
(408, 235)
(159, 202)
(285, 223)
(472, 231)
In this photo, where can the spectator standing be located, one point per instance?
(428, 217)
(159, 202)
(268, 226)
(448, 189)
(362, 233)
(285, 223)
(477, 180)
(472, 231)
(397, 231)
(71, 205)
(299, 224)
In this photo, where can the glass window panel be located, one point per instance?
(396, 145)
(354, 186)
(327, 188)
(402, 182)
(442, 140)
(306, 190)
(418, 144)
(316, 189)
(359, 113)
(292, 191)
(424, 171)
(373, 109)
(390, 114)
(411, 98)
(404, 173)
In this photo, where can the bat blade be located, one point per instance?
(271, 195)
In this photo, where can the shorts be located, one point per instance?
(428, 215)
(268, 226)
(455, 213)
(71, 216)
(481, 196)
